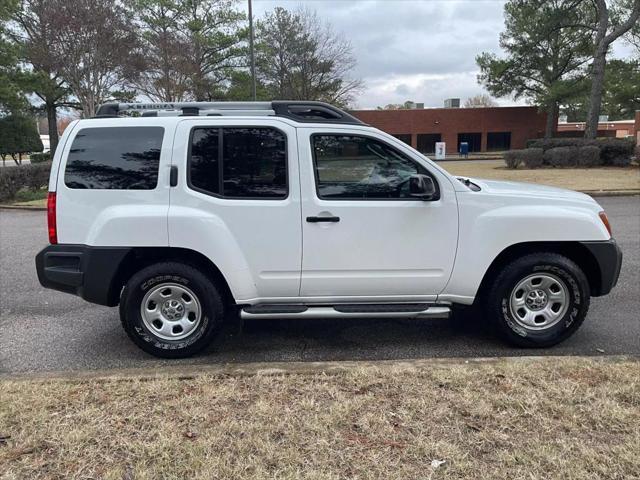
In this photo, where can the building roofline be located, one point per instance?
(428, 109)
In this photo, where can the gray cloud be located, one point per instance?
(421, 50)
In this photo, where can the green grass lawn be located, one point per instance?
(31, 198)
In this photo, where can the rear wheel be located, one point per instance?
(539, 300)
(171, 310)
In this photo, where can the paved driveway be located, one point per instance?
(44, 330)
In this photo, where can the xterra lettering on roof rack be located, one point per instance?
(300, 111)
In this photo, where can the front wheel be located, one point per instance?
(539, 300)
(171, 310)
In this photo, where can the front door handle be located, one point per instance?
(323, 219)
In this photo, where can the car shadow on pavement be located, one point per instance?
(355, 339)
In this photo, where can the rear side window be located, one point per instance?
(246, 162)
(115, 158)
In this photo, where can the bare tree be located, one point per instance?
(164, 70)
(214, 45)
(605, 34)
(481, 100)
(277, 51)
(407, 105)
(35, 33)
(95, 48)
(302, 58)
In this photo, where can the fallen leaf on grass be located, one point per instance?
(371, 443)
(473, 427)
(19, 452)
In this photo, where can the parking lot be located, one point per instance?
(43, 330)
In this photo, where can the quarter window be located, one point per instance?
(247, 162)
(354, 167)
(115, 158)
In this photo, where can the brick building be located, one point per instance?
(611, 129)
(485, 129)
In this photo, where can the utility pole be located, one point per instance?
(252, 54)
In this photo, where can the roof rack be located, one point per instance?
(300, 111)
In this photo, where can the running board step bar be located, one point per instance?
(366, 310)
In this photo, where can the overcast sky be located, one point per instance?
(420, 50)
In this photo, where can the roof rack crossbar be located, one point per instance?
(115, 108)
(298, 110)
(209, 113)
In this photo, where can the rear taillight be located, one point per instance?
(51, 218)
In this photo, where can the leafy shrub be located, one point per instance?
(18, 135)
(616, 152)
(530, 157)
(533, 157)
(588, 156)
(612, 151)
(549, 143)
(13, 179)
(40, 157)
(512, 158)
(37, 176)
(561, 156)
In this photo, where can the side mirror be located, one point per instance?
(422, 186)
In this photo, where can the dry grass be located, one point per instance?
(564, 419)
(585, 179)
(42, 202)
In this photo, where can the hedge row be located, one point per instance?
(530, 157)
(572, 152)
(13, 179)
(40, 157)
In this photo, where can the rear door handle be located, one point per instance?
(173, 176)
(323, 219)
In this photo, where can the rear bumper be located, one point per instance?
(609, 259)
(88, 272)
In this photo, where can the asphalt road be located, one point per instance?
(42, 330)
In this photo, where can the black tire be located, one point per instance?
(210, 302)
(499, 311)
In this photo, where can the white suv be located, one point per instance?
(188, 214)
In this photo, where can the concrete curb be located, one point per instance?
(183, 372)
(611, 193)
(23, 207)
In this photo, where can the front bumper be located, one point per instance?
(88, 272)
(608, 256)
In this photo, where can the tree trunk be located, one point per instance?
(52, 120)
(602, 42)
(595, 98)
(551, 125)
